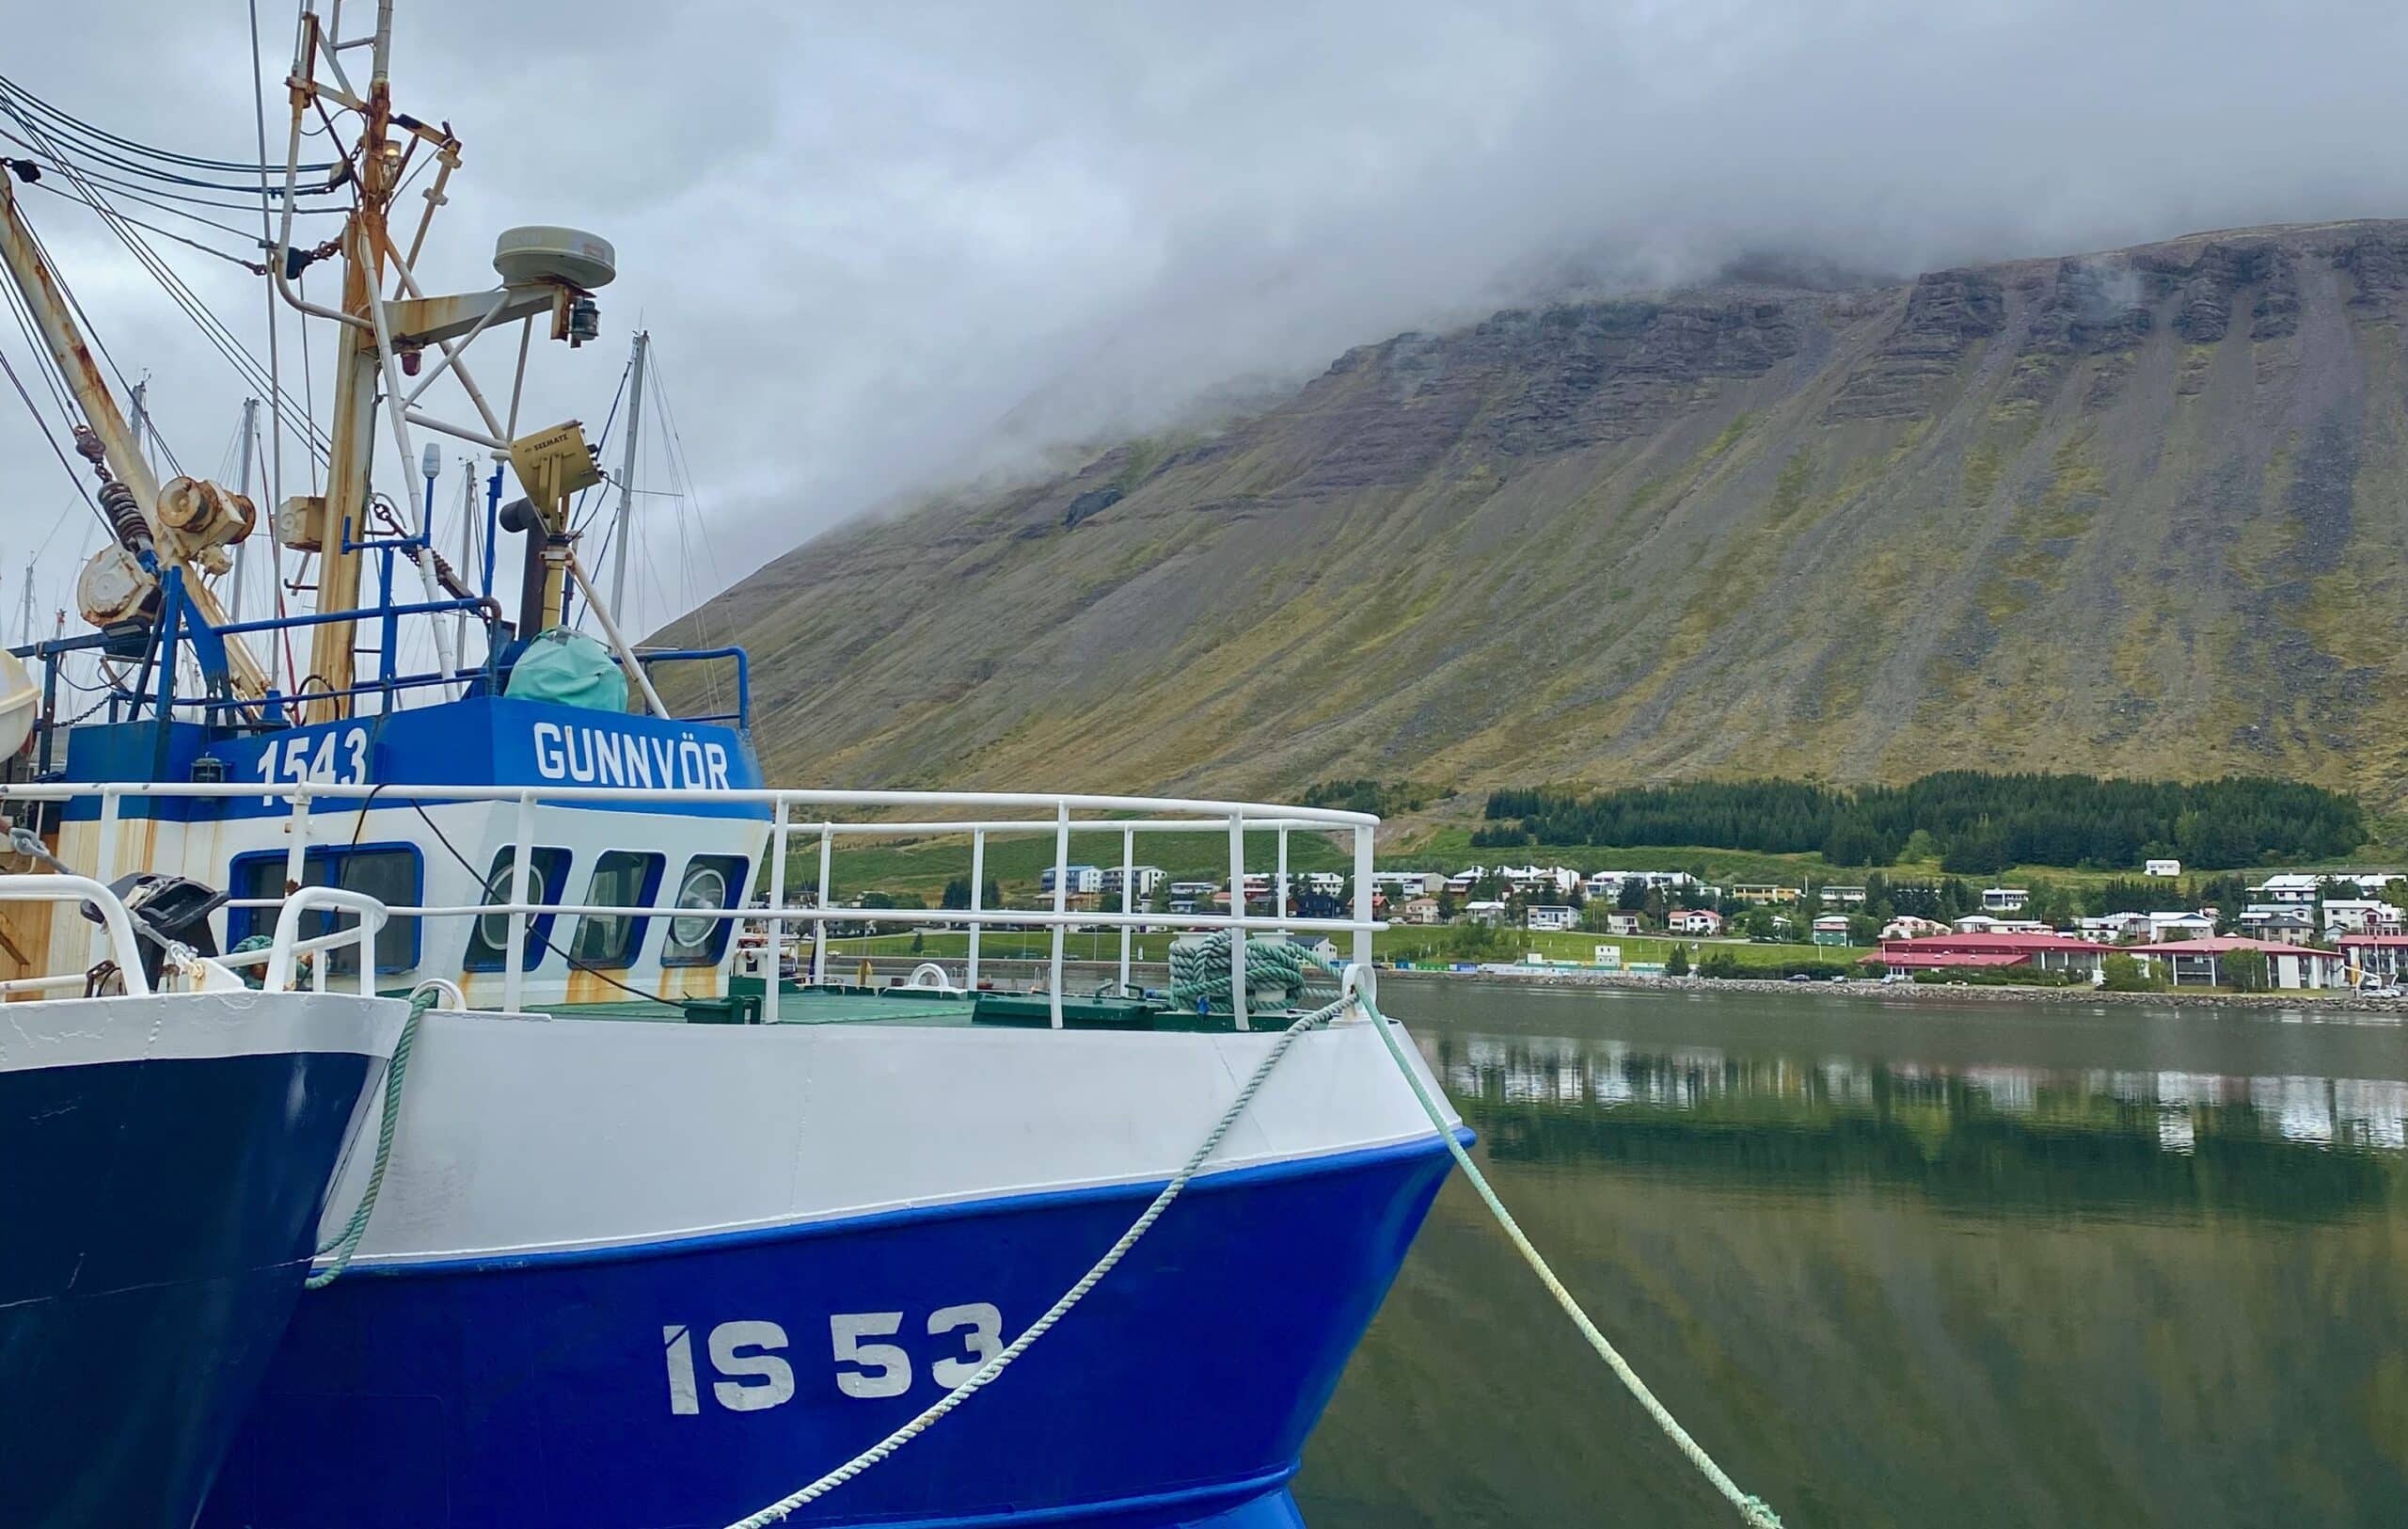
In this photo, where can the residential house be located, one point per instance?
(1830, 928)
(1843, 897)
(1485, 911)
(2114, 928)
(1693, 921)
(1626, 923)
(1765, 894)
(1410, 883)
(2201, 962)
(2004, 899)
(1462, 881)
(1909, 927)
(2278, 922)
(2360, 916)
(2179, 925)
(2293, 886)
(1143, 880)
(2162, 868)
(2045, 951)
(1421, 910)
(1078, 879)
(1976, 923)
(1328, 883)
(1551, 916)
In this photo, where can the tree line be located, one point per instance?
(1973, 822)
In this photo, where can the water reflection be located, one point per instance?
(2014, 1265)
(1996, 1136)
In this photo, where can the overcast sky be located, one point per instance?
(881, 248)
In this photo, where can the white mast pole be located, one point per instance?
(627, 478)
(467, 552)
(243, 487)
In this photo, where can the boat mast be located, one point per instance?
(343, 518)
(628, 475)
(243, 487)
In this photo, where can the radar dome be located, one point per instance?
(540, 252)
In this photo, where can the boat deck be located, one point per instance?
(834, 1004)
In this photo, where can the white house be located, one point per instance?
(1695, 921)
(1078, 879)
(2114, 928)
(1485, 911)
(1979, 923)
(1545, 916)
(2289, 887)
(1622, 923)
(2280, 922)
(1142, 880)
(2162, 868)
(1422, 910)
(2360, 916)
(2179, 925)
(1997, 900)
(1909, 927)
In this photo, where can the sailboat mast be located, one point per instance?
(242, 481)
(628, 475)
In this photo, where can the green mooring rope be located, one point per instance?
(346, 1242)
(1199, 971)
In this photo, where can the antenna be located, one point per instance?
(627, 477)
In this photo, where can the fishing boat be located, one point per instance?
(170, 1138)
(657, 1233)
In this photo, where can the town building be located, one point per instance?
(1843, 897)
(2047, 952)
(1485, 911)
(2114, 928)
(2162, 868)
(1410, 883)
(2295, 886)
(1830, 928)
(2201, 962)
(2274, 921)
(1764, 895)
(2179, 925)
(1545, 916)
(2360, 916)
(2004, 899)
(2380, 957)
(1608, 884)
(1703, 921)
(1626, 923)
(1077, 880)
(1143, 880)
(1909, 927)
(1420, 910)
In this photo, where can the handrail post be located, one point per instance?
(819, 925)
(978, 899)
(105, 861)
(514, 966)
(1363, 834)
(777, 906)
(1128, 890)
(1282, 887)
(1237, 908)
(1061, 900)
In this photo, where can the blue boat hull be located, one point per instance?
(690, 1383)
(156, 1222)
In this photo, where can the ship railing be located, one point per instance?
(116, 924)
(282, 954)
(826, 816)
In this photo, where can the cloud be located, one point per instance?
(884, 248)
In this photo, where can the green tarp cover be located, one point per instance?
(569, 669)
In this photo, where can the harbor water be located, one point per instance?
(2005, 1264)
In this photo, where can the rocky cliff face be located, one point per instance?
(2135, 511)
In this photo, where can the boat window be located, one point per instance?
(489, 937)
(621, 879)
(711, 881)
(391, 873)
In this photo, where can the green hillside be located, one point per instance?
(2135, 514)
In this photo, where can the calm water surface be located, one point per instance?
(1998, 1263)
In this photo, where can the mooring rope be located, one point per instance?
(777, 1511)
(1199, 971)
(346, 1242)
(1755, 1511)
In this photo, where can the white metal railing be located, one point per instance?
(46, 886)
(976, 814)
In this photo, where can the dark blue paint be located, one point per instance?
(156, 1222)
(536, 1394)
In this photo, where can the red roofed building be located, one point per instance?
(2200, 963)
(2047, 953)
(2384, 956)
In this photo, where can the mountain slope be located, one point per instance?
(2138, 513)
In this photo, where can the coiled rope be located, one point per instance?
(1199, 972)
(346, 1242)
(1753, 1511)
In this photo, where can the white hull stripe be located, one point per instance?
(183, 1026)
